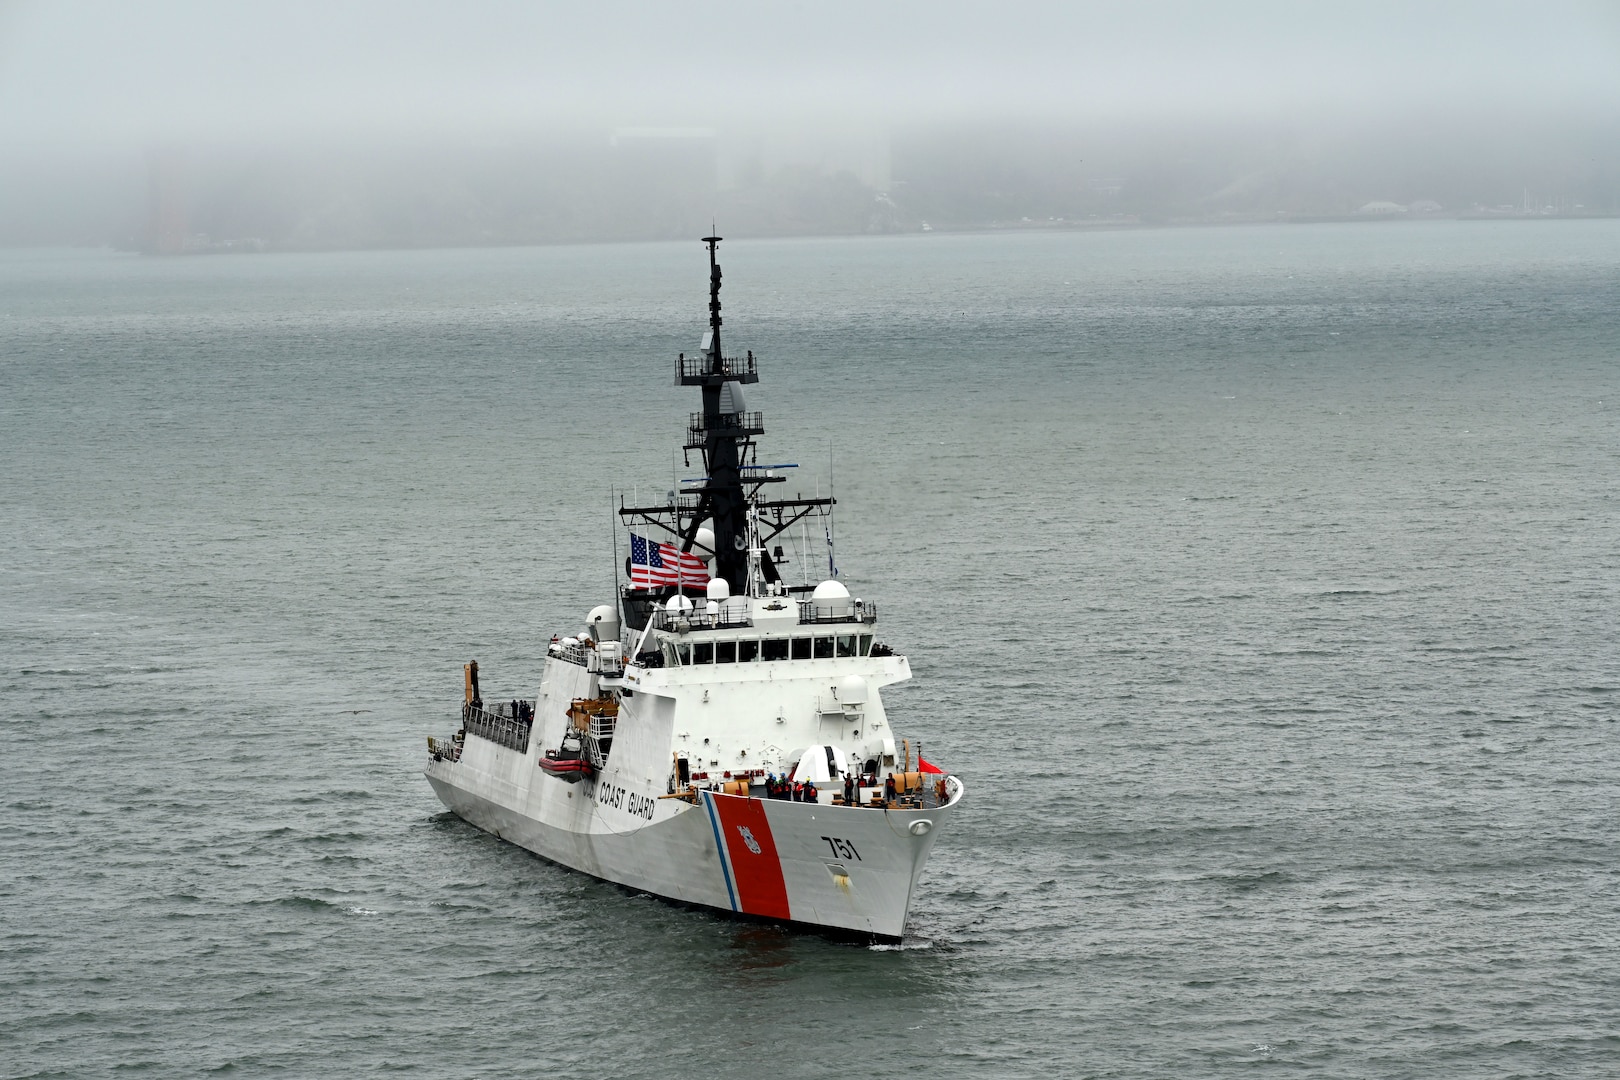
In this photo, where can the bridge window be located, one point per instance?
(824, 648)
(846, 645)
(801, 648)
(747, 652)
(703, 652)
(863, 647)
(725, 652)
(774, 648)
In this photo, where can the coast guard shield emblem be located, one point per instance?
(748, 838)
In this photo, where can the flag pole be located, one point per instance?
(613, 578)
(675, 501)
(831, 527)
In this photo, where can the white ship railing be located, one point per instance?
(729, 616)
(863, 611)
(597, 739)
(605, 659)
(573, 652)
(498, 728)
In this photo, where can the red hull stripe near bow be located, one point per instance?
(758, 874)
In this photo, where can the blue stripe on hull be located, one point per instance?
(720, 849)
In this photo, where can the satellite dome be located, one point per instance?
(830, 590)
(603, 622)
(678, 602)
(719, 589)
(703, 540)
(852, 690)
(831, 600)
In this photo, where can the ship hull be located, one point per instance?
(846, 872)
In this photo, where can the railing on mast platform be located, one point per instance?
(696, 370)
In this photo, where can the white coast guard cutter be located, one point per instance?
(719, 738)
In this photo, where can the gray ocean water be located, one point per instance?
(1262, 583)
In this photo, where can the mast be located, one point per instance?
(713, 244)
(725, 430)
(723, 433)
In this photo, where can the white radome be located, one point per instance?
(603, 622)
(831, 600)
(831, 589)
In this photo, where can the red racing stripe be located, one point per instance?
(754, 862)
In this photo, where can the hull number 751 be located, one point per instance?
(842, 848)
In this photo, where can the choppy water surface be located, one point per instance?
(1262, 583)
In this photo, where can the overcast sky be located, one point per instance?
(90, 72)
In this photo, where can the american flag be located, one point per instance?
(653, 563)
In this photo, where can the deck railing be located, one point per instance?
(445, 749)
(506, 731)
(741, 423)
(813, 611)
(573, 652)
(606, 659)
(697, 367)
(697, 618)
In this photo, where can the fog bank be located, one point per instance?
(364, 123)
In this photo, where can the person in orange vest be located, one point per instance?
(888, 788)
(849, 788)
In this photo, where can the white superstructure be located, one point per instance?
(724, 743)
